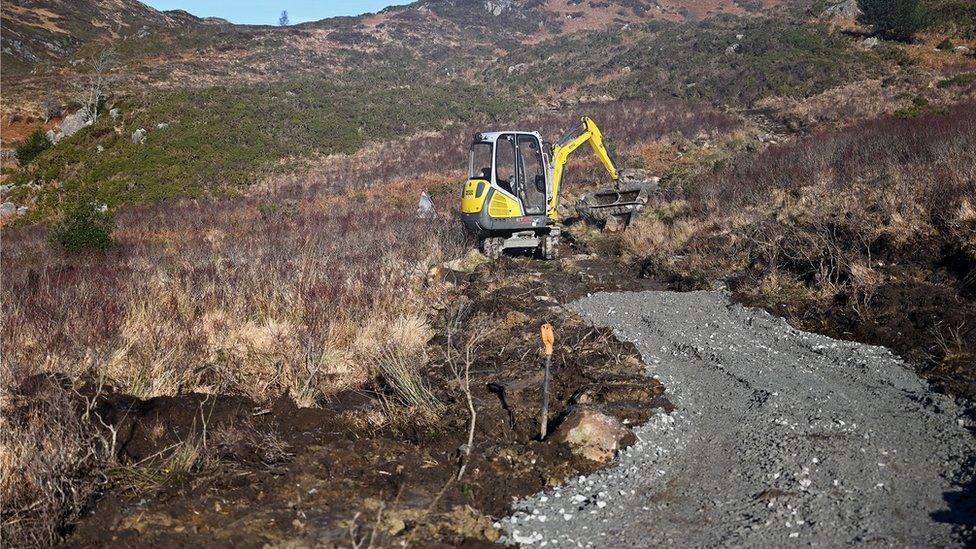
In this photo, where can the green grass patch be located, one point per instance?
(220, 139)
(728, 60)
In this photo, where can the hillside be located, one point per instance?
(227, 323)
(175, 48)
(38, 33)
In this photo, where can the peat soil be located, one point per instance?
(924, 308)
(921, 303)
(345, 474)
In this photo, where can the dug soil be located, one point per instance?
(342, 475)
(924, 309)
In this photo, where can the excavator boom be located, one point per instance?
(585, 132)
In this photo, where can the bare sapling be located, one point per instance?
(460, 364)
(91, 88)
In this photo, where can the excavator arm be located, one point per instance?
(585, 131)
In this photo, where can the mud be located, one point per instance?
(335, 476)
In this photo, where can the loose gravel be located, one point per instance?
(780, 438)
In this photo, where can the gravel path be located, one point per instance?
(781, 438)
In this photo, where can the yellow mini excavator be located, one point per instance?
(512, 192)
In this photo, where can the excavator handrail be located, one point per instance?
(587, 131)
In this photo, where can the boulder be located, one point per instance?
(139, 136)
(115, 114)
(592, 434)
(845, 8)
(614, 224)
(497, 7)
(962, 49)
(871, 42)
(71, 125)
(7, 209)
(467, 263)
(162, 125)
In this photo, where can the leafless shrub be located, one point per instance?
(53, 457)
(459, 361)
(50, 107)
(91, 88)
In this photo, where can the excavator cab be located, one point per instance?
(512, 192)
(508, 183)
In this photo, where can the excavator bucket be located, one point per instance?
(615, 208)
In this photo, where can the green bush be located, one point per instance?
(892, 19)
(84, 226)
(957, 17)
(35, 144)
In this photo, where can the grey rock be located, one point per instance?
(100, 148)
(466, 264)
(614, 224)
(636, 175)
(115, 114)
(731, 49)
(4, 189)
(162, 125)
(965, 50)
(846, 8)
(139, 136)
(72, 124)
(871, 42)
(497, 7)
(7, 209)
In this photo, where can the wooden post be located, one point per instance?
(547, 342)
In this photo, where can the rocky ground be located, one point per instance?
(779, 437)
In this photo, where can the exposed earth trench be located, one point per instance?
(779, 437)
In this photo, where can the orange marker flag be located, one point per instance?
(548, 338)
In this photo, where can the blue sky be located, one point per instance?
(255, 12)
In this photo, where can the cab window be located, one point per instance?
(505, 162)
(532, 175)
(480, 161)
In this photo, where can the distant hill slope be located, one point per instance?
(39, 31)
